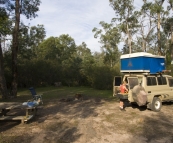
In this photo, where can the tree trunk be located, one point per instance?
(129, 40)
(15, 50)
(144, 44)
(3, 86)
(130, 44)
(171, 44)
(158, 35)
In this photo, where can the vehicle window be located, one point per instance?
(140, 80)
(170, 82)
(117, 81)
(126, 80)
(154, 81)
(164, 81)
(151, 81)
(132, 82)
(161, 80)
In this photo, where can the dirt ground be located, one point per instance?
(92, 121)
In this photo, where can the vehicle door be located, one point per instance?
(170, 83)
(132, 81)
(116, 84)
(163, 87)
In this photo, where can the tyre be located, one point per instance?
(139, 95)
(156, 104)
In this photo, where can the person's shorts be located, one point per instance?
(122, 100)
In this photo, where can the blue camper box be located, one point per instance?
(142, 62)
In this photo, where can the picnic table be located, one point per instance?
(5, 107)
(30, 108)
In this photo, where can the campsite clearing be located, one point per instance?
(91, 120)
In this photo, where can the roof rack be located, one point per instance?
(148, 73)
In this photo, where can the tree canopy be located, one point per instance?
(32, 59)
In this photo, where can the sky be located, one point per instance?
(74, 17)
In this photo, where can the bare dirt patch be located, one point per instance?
(92, 121)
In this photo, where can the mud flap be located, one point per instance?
(149, 105)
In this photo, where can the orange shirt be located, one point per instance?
(122, 88)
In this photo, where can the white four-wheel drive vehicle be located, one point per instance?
(146, 81)
(157, 88)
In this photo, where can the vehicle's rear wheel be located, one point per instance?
(156, 104)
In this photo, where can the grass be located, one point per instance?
(51, 93)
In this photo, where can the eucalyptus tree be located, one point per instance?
(60, 48)
(87, 63)
(155, 10)
(37, 35)
(168, 30)
(48, 49)
(125, 49)
(69, 62)
(109, 39)
(16, 8)
(83, 52)
(146, 35)
(30, 38)
(62, 51)
(127, 19)
(5, 29)
(136, 46)
(98, 59)
(67, 47)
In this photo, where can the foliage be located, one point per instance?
(127, 19)
(42, 62)
(168, 30)
(5, 23)
(109, 38)
(60, 60)
(158, 14)
(16, 8)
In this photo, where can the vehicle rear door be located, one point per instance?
(132, 81)
(116, 84)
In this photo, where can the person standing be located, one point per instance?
(123, 89)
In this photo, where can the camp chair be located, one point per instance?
(35, 96)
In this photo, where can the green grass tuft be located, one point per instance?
(51, 93)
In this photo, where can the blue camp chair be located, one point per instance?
(35, 96)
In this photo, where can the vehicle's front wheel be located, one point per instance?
(156, 104)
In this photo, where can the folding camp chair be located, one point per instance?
(35, 96)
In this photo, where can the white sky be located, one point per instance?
(76, 18)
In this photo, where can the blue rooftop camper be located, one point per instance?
(142, 62)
